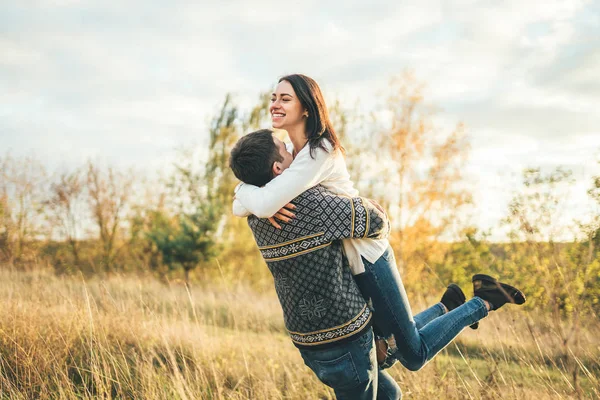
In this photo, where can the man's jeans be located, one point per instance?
(351, 370)
(419, 339)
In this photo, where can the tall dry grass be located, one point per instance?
(136, 338)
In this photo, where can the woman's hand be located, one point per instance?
(284, 215)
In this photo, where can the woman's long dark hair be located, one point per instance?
(318, 124)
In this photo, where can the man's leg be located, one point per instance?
(383, 285)
(387, 388)
(350, 369)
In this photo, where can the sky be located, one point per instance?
(128, 82)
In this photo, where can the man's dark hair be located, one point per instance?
(252, 157)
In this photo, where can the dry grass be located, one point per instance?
(136, 338)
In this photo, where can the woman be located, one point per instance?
(297, 105)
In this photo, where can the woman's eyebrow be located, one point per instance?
(282, 94)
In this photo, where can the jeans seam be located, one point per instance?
(389, 305)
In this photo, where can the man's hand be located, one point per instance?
(284, 215)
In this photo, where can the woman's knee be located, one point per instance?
(412, 363)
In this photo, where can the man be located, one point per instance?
(324, 312)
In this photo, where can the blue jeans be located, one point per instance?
(419, 339)
(350, 369)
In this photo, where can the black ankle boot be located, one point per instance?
(496, 293)
(454, 297)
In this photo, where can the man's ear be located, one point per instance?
(276, 168)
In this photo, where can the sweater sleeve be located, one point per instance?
(352, 218)
(304, 173)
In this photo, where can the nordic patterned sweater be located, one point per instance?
(320, 300)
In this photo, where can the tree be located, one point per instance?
(223, 133)
(148, 207)
(66, 209)
(22, 186)
(426, 170)
(239, 258)
(202, 192)
(357, 148)
(108, 195)
(188, 237)
(187, 242)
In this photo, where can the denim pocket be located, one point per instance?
(340, 373)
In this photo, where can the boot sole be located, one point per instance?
(515, 294)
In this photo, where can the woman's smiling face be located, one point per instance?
(286, 109)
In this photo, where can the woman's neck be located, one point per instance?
(298, 138)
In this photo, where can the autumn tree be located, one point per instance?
(239, 258)
(66, 209)
(349, 124)
(149, 206)
(223, 133)
(22, 192)
(109, 192)
(421, 176)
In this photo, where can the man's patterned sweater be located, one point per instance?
(320, 300)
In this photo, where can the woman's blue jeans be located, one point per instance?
(420, 338)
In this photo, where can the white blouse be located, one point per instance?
(328, 168)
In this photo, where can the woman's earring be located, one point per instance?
(306, 115)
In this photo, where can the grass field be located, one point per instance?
(137, 338)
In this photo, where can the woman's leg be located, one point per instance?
(429, 314)
(416, 344)
(421, 319)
